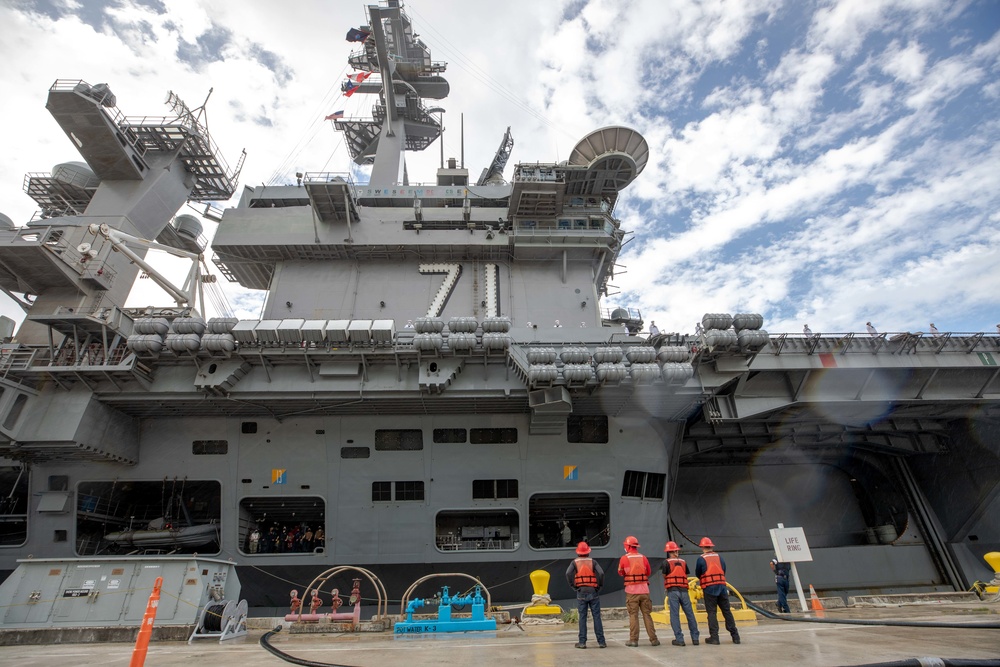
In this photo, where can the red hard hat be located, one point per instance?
(671, 546)
(630, 541)
(582, 549)
(705, 542)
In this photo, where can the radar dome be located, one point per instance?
(5, 222)
(76, 173)
(188, 225)
(619, 315)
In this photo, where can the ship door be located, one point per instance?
(89, 593)
(142, 585)
(36, 594)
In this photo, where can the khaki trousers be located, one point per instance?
(636, 603)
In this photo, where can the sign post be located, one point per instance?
(790, 546)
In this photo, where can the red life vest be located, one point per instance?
(676, 576)
(585, 573)
(636, 573)
(714, 574)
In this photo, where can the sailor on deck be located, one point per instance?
(653, 329)
(934, 330)
(872, 331)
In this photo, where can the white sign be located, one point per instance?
(790, 545)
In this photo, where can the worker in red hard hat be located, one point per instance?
(675, 586)
(711, 571)
(587, 577)
(634, 567)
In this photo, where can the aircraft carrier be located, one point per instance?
(436, 383)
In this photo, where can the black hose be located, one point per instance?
(291, 658)
(935, 662)
(858, 621)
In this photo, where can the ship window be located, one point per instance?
(355, 452)
(493, 436)
(645, 485)
(177, 515)
(491, 489)
(381, 492)
(474, 530)
(528, 224)
(15, 411)
(409, 490)
(206, 447)
(286, 525)
(248, 427)
(13, 506)
(450, 435)
(579, 223)
(564, 224)
(558, 520)
(587, 429)
(399, 440)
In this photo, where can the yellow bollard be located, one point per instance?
(540, 600)
(742, 614)
(993, 559)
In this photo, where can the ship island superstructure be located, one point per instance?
(434, 383)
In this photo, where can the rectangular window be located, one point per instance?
(644, 485)
(491, 489)
(409, 491)
(285, 525)
(493, 436)
(381, 492)
(587, 429)
(450, 435)
(355, 452)
(205, 447)
(477, 530)
(557, 520)
(399, 440)
(248, 427)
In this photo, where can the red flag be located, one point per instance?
(335, 115)
(359, 77)
(349, 88)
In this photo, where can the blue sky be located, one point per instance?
(826, 163)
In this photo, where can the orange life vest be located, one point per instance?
(676, 576)
(636, 573)
(714, 574)
(585, 573)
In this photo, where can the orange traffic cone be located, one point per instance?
(815, 603)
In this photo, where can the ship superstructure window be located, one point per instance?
(493, 436)
(355, 452)
(561, 520)
(450, 435)
(399, 440)
(477, 530)
(587, 428)
(13, 506)
(248, 427)
(206, 447)
(285, 525)
(404, 491)
(645, 485)
(176, 515)
(491, 489)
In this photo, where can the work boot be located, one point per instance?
(631, 643)
(679, 642)
(736, 639)
(712, 640)
(694, 641)
(580, 645)
(602, 645)
(655, 642)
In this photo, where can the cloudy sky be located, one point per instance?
(826, 163)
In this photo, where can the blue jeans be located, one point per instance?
(591, 601)
(782, 584)
(677, 599)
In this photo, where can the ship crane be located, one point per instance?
(189, 295)
(494, 173)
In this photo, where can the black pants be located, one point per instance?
(722, 603)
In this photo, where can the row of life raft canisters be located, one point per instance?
(461, 335)
(742, 330)
(183, 335)
(579, 364)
